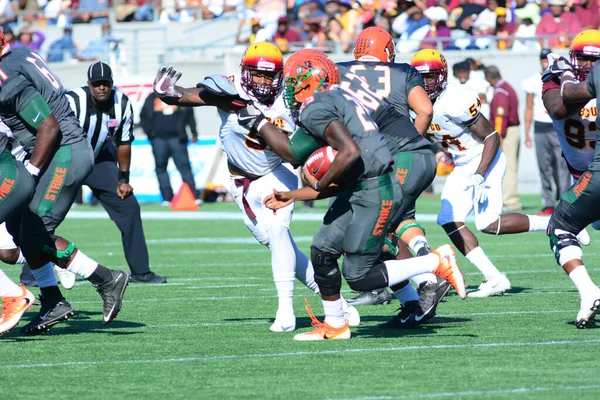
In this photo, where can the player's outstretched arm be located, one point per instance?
(419, 102)
(491, 143)
(278, 141)
(557, 108)
(573, 92)
(348, 152)
(278, 200)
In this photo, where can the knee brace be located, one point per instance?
(410, 225)
(376, 278)
(391, 241)
(327, 272)
(564, 245)
(59, 257)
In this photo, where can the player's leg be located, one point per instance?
(59, 184)
(546, 164)
(576, 209)
(457, 204)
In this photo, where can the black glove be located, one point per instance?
(251, 117)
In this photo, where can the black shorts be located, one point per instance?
(579, 206)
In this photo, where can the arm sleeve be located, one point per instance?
(29, 104)
(125, 133)
(302, 145)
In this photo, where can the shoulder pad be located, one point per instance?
(219, 84)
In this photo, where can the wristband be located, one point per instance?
(32, 169)
(262, 123)
(123, 176)
(317, 186)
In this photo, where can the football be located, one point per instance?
(318, 163)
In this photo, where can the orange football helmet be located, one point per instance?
(306, 73)
(585, 47)
(262, 58)
(434, 68)
(375, 42)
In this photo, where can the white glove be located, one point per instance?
(32, 169)
(477, 183)
(164, 83)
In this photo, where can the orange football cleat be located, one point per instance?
(13, 309)
(322, 330)
(448, 269)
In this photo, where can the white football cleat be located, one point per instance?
(493, 287)
(66, 278)
(584, 238)
(284, 323)
(587, 310)
(351, 314)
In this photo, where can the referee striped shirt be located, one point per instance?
(114, 121)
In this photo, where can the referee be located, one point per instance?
(106, 116)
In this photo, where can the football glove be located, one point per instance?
(477, 183)
(251, 117)
(558, 65)
(218, 90)
(164, 83)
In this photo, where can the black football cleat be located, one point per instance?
(430, 295)
(404, 318)
(112, 294)
(374, 297)
(53, 311)
(149, 277)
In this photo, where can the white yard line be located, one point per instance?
(477, 393)
(320, 352)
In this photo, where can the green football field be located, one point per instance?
(204, 335)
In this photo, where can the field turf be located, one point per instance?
(204, 335)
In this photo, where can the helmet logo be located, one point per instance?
(266, 65)
(591, 51)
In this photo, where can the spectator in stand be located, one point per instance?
(254, 27)
(551, 164)
(503, 29)
(528, 10)
(558, 22)
(413, 27)
(337, 34)
(349, 17)
(463, 16)
(8, 12)
(437, 17)
(9, 36)
(504, 115)
(310, 13)
(30, 39)
(99, 48)
(587, 12)
(57, 50)
(94, 11)
(29, 7)
(285, 35)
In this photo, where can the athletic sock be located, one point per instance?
(8, 287)
(478, 258)
(82, 265)
(283, 265)
(419, 245)
(305, 272)
(538, 223)
(45, 276)
(402, 270)
(582, 281)
(421, 278)
(100, 275)
(406, 293)
(334, 313)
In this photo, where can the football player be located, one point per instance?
(255, 169)
(401, 85)
(578, 207)
(475, 184)
(357, 220)
(34, 107)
